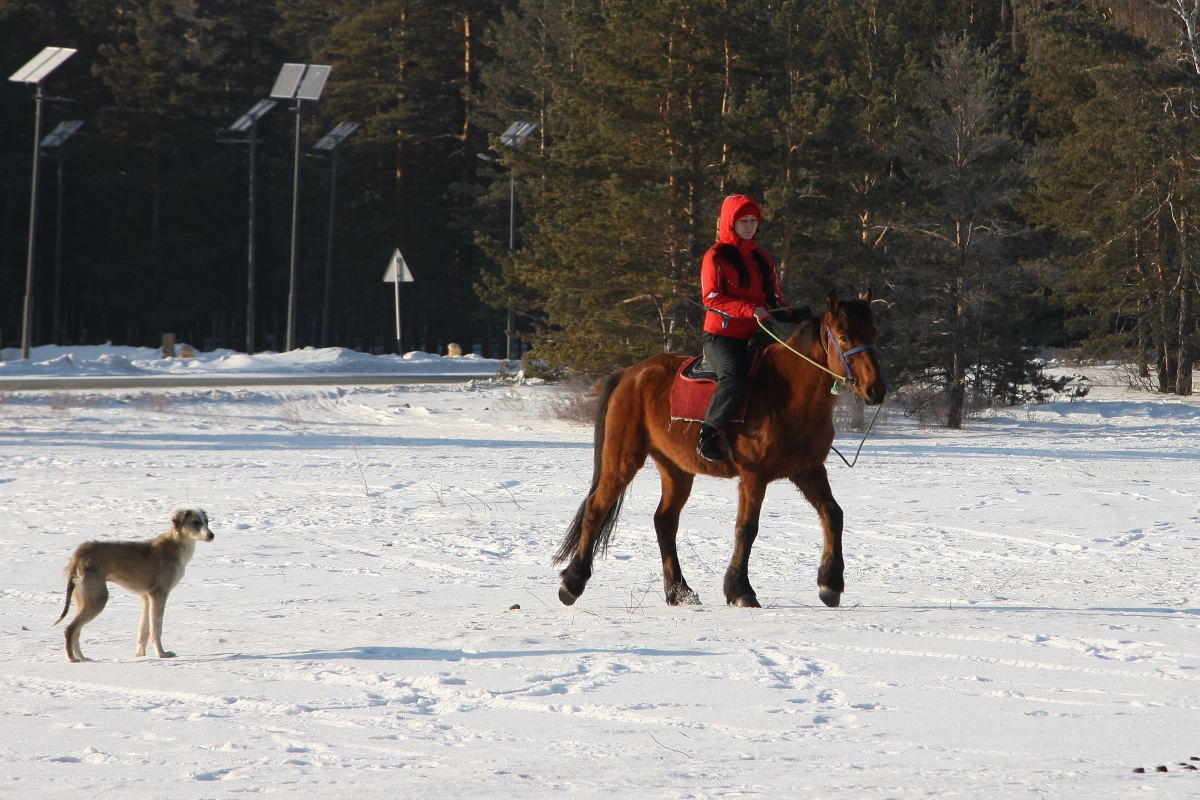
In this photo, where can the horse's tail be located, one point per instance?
(571, 541)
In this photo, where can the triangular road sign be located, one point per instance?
(397, 264)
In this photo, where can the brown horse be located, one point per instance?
(787, 434)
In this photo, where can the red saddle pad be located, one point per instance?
(690, 396)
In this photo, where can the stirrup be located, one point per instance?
(709, 445)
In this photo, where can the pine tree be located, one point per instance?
(646, 123)
(967, 168)
(408, 71)
(1121, 181)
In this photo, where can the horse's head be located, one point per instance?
(848, 336)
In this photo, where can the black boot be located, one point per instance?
(709, 446)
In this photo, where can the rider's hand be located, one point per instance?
(761, 313)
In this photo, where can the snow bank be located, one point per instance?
(108, 360)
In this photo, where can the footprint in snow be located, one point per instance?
(1190, 767)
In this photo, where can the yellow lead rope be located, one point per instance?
(837, 379)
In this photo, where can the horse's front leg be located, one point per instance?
(676, 488)
(738, 592)
(814, 483)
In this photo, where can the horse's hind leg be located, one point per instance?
(598, 516)
(676, 488)
(738, 591)
(815, 485)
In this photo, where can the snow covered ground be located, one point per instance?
(1021, 616)
(106, 360)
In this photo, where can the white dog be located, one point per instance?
(150, 569)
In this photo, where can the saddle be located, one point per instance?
(694, 385)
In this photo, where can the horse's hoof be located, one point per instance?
(831, 598)
(566, 597)
(747, 601)
(687, 597)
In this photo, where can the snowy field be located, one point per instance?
(1021, 616)
(81, 361)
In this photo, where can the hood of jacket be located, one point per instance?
(734, 208)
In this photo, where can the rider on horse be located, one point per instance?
(739, 287)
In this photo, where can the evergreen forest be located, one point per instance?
(1007, 177)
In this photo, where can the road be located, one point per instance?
(58, 383)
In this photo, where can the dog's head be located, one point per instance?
(192, 523)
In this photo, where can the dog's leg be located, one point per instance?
(143, 627)
(158, 603)
(90, 598)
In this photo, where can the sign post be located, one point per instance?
(397, 273)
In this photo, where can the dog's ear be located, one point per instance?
(177, 519)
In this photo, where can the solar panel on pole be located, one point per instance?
(512, 130)
(517, 133)
(288, 80)
(334, 139)
(41, 65)
(314, 81)
(58, 137)
(35, 71)
(332, 142)
(245, 121)
(248, 123)
(55, 142)
(300, 82)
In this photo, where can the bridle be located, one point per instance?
(848, 378)
(844, 354)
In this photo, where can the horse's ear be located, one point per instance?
(866, 296)
(832, 301)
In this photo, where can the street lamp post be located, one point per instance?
(248, 124)
(517, 133)
(332, 143)
(35, 71)
(300, 82)
(56, 142)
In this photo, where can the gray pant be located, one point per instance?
(730, 359)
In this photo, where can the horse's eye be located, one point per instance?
(844, 340)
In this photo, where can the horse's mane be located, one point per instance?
(806, 335)
(853, 312)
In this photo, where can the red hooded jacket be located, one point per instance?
(730, 294)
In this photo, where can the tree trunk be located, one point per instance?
(958, 368)
(1166, 369)
(1183, 365)
(858, 419)
(467, 90)
(1143, 349)
(401, 144)
(156, 188)
(725, 97)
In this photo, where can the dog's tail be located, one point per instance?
(70, 589)
(67, 605)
